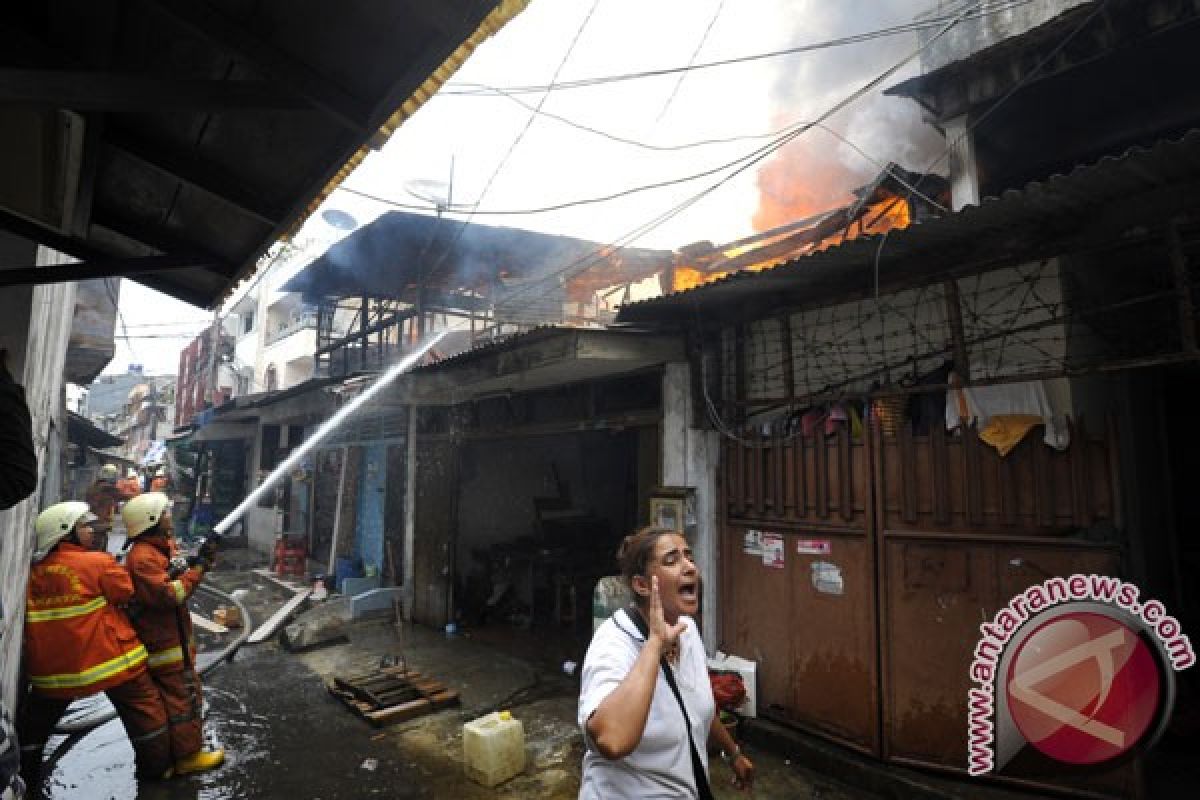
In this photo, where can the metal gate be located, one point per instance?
(893, 549)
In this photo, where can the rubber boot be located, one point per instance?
(200, 761)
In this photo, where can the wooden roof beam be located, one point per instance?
(89, 90)
(164, 243)
(301, 80)
(100, 268)
(196, 172)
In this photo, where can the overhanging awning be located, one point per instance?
(173, 141)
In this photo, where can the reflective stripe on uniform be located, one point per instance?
(161, 658)
(180, 592)
(152, 734)
(74, 680)
(66, 612)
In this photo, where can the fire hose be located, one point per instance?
(80, 727)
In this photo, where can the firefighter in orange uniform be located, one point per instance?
(159, 482)
(104, 495)
(164, 581)
(78, 642)
(130, 485)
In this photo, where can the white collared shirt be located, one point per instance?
(661, 765)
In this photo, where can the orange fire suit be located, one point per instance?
(78, 642)
(102, 497)
(163, 623)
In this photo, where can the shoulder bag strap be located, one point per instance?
(701, 777)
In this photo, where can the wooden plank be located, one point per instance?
(776, 456)
(846, 479)
(788, 473)
(971, 477)
(800, 474)
(268, 628)
(940, 467)
(821, 473)
(1081, 485)
(204, 623)
(413, 709)
(908, 475)
(1043, 487)
(1008, 487)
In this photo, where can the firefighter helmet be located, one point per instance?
(109, 472)
(57, 523)
(143, 512)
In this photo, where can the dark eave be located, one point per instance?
(174, 141)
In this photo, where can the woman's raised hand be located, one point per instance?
(657, 623)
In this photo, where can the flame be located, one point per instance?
(804, 178)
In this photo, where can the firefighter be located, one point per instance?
(103, 496)
(164, 581)
(78, 642)
(130, 485)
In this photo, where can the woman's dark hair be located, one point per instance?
(637, 549)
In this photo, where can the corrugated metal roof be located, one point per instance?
(1093, 205)
(501, 344)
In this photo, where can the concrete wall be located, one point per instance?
(980, 32)
(36, 359)
(690, 457)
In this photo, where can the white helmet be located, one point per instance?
(57, 523)
(109, 472)
(143, 512)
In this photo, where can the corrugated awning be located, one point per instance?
(175, 141)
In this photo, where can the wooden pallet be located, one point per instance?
(391, 694)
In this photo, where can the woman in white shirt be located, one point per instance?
(637, 740)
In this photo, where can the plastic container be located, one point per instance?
(610, 594)
(493, 748)
(344, 568)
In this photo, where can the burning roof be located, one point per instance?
(894, 199)
(392, 255)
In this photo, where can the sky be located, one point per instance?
(505, 158)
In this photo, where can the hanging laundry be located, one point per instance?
(1015, 402)
(1005, 431)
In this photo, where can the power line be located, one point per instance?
(512, 147)
(691, 60)
(950, 146)
(978, 12)
(646, 187)
(753, 158)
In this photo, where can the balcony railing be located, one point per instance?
(297, 322)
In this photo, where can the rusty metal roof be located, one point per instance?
(1115, 200)
(175, 140)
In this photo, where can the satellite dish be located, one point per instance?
(435, 192)
(339, 219)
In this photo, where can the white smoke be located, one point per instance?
(886, 129)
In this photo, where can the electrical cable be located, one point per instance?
(951, 146)
(912, 27)
(508, 153)
(691, 60)
(645, 187)
(750, 160)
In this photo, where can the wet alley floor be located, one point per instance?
(286, 737)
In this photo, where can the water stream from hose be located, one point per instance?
(294, 458)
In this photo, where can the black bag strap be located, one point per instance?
(698, 773)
